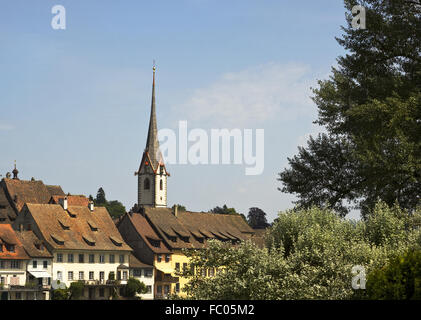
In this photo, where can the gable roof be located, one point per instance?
(18, 192)
(72, 228)
(136, 263)
(33, 246)
(149, 236)
(8, 236)
(72, 200)
(191, 229)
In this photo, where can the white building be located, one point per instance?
(144, 273)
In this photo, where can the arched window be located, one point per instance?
(146, 184)
(160, 185)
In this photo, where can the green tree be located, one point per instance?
(309, 254)
(60, 294)
(134, 287)
(100, 197)
(370, 107)
(76, 290)
(223, 210)
(180, 207)
(256, 218)
(399, 280)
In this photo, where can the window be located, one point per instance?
(45, 264)
(101, 275)
(146, 184)
(101, 258)
(167, 289)
(160, 185)
(34, 264)
(184, 267)
(91, 258)
(159, 258)
(167, 258)
(159, 289)
(81, 258)
(10, 247)
(124, 275)
(137, 272)
(148, 273)
(81, 275)
(121, 258)
(149, 289)
(59, 257)
(112, 260)
(59, 275)
(101, 292)
(177, 287)
(91, 275)
(70, 275)
(14, 264)
(1, 246)
(2, 280)
(70, 258)
(177, 267)
(2, 265)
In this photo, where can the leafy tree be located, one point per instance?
(399, 280)
(310, 254)
(180, 207)
(76, 290)
(223, 210)
(100, 197)
(115, 208)
(60, 294)
(256, 218)
(370, 107)
(133, 287)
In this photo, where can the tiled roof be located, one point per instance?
(149, 236)
(136, 263)
(190, 229)
(21, 191)
(33, 246)
(76, 200)
(8, 237)
(72, 228)
(6, 211)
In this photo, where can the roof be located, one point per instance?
(259, 237)
(72, 228)
(8, 237)
(7, 214)
(136, 263)
(76, 200)
(192, 229)
(149, 236)
(33, 246)
(21, 191)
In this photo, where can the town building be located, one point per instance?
(144, 273)
(85, 244)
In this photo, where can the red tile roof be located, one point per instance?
(8, 237)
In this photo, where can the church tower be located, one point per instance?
(152, 174)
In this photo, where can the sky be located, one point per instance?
(75, 103)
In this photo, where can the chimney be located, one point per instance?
(63, 202)
(91, 206)
(175, 212)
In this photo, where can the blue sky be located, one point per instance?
(75, 103)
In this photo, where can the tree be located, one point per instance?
(76, 290)
(180, 207)
(399, 280)
(134, 287)
(370, 107)
(100, 197)
(60, 294)
(309, 254)
(115, 208)
(223, 210)
(256, 218)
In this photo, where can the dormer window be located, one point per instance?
(93, 226)
(10, 247)
(64, 226)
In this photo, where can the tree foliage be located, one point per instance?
(76, 290)
(134, 287)
(223, 210)
(309, 255)
(256, 218)
(115, 208)
(180, 207)
(370, 107)
(400, 279)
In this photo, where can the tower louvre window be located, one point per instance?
(160, 184)
(146, 184)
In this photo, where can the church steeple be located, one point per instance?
(152, 144)
(152, 174)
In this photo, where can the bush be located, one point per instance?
(399, 280)
(60, 294)
(76, 290)
(133, 287)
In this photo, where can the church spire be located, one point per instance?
(152, 144)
